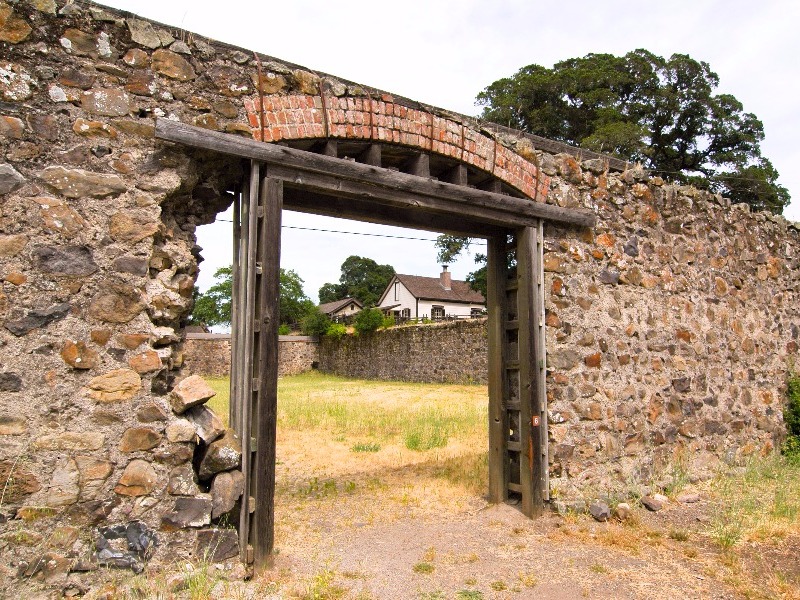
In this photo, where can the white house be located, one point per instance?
(345, 307)
(416, 297)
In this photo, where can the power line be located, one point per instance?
(381, 235)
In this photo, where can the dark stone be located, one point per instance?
(140, 541)
(10, 179)
(65, 260)
(189, 512)
(10, 382)
(162, 382)
(132, 265)
(101, 151)
(117, 354)
(631, 247)
(600, 511)
(209, 425)
(216, 545)
(682, 384)
(609, 277)
(38, 318)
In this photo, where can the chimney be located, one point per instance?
(445, 279)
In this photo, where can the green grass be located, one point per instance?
(363, 447)
(420, 416)
(423, 567)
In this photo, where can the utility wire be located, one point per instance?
(381, 235)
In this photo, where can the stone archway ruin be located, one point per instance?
(670, 324)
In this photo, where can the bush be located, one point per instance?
(315, 323)
(368, 320)
(284, 329)
(336, 331)
(791, 416)
(388, 321)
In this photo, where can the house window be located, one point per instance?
(406, 313)
(396, 290)
(476, 312)
(437, 312)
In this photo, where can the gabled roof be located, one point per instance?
(430, 288)
(332, 307)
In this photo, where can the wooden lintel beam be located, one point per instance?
(334, 186)
(303, 200)
(230, 144)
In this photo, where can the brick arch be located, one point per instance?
(383, 120)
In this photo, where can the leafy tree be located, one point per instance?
(315, 322)
(213, 307)
(362, 278)
(450, 247)
(642, 107)
(294, 304)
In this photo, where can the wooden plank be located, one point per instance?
(530, 437)
(334, 186)
(348, 208)
(541, 358)
(371, 156)
(266, 421)
(308, 161)
(245, 345)
(498, 417)
(234, 410)
(419, 165)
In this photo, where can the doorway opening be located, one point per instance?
(330, 183)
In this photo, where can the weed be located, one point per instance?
(498, 586)
(322, 587)
(598, 568)
(469, 595)
(199, 582)
(726, 534)
(471, 581)
(365, 447)
(529, 580)
(435, 595)
(679, 535)
(426, 437)
(424, 567)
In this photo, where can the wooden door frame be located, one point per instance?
(282, 177)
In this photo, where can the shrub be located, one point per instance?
(368, 320)
(791, 416)
(336, 331)
(315, 323)
(388, 321)
(284, 329)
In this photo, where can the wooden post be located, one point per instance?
(498, 416)
(530, 416)
(420, 165)
(458, 175)
(371, 156)
(267, 403)
(540, 347)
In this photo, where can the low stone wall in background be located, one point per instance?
(453, 352)
(210, 354)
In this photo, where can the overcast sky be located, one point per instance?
(443, 52)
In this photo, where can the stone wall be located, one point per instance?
(210, 354)
(454, 352)
(669, 326)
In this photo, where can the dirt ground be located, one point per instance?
(413, 534)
